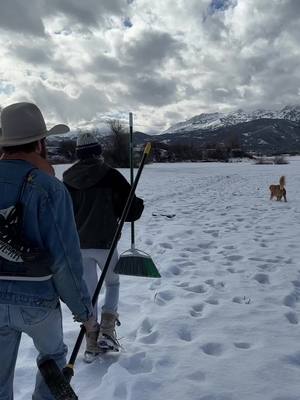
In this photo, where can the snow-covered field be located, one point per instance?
(223, 321)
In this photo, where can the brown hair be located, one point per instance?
(23, 148)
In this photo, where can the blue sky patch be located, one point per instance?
(6, 88)
(127, 22)
(221, 5)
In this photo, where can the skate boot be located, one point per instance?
(107, 340)
(92, 349)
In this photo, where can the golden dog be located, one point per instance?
(278, 191)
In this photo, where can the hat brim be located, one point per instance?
(59, 129)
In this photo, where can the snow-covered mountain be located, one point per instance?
(213, 121)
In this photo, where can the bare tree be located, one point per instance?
(120, 143)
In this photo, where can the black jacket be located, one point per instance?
(99, 195)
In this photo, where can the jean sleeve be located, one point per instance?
(60, 236)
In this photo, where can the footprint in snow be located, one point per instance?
(212, 301)
(137, 364)
(174, 270)
(213, 349)
(290, 300)
(196, 289)
(242, 345)
(197, 376)
(198, 307)
(241, 300)
(149, 339)
(293, 359)
(234, 257)
(154, 285)
(183, 284)
(191, 249)
(162, 298)
(166, 245)
(184, 334)
(218, 285)
(292, 318)
(146, 326)
(262, 278)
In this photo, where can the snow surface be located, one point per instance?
(223, 321)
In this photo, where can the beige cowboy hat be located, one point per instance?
(23, 123)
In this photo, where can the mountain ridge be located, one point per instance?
(216, 120)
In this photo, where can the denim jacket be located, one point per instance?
(49, 223)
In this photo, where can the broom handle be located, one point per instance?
(131, 168)
(69, 368)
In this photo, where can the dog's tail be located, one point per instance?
(282, 182)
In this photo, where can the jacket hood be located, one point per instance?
(85, 173)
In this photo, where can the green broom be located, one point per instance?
(135, 262)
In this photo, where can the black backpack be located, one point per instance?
(19, 258)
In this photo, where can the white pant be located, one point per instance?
(92, 258)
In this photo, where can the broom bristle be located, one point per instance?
(136, 266)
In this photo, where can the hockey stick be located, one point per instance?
(58, 381)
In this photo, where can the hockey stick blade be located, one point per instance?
(57, 383)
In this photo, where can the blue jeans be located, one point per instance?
(44, 326)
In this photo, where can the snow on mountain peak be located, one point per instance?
(212, 121)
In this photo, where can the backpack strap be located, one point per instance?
(25, 181)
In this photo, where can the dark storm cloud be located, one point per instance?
(21, 16)
(27, 16)
(151, 49)
(88, 12)
(154, 91)
(33, 55)
(69, 109)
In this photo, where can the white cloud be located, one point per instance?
(175, 58)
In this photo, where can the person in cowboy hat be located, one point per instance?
(28, 305)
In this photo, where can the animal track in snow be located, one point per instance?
(174, 270)
(163, 297)
(242, 345)
(154, 285)
(262, 278)
(294, 359)
(184, 334)
(241, 300)
(196, 289)
(212, 301)
(146, 326)
(137, 364)
(213, 349)
(191, 249)
(196, 376)
(292, 318)
(213, 233)
(290, 300)
(183, 284)
(196, 310)
(149, 339)
(234, 257)
(166, 245)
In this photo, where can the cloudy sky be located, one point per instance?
(82, 61)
